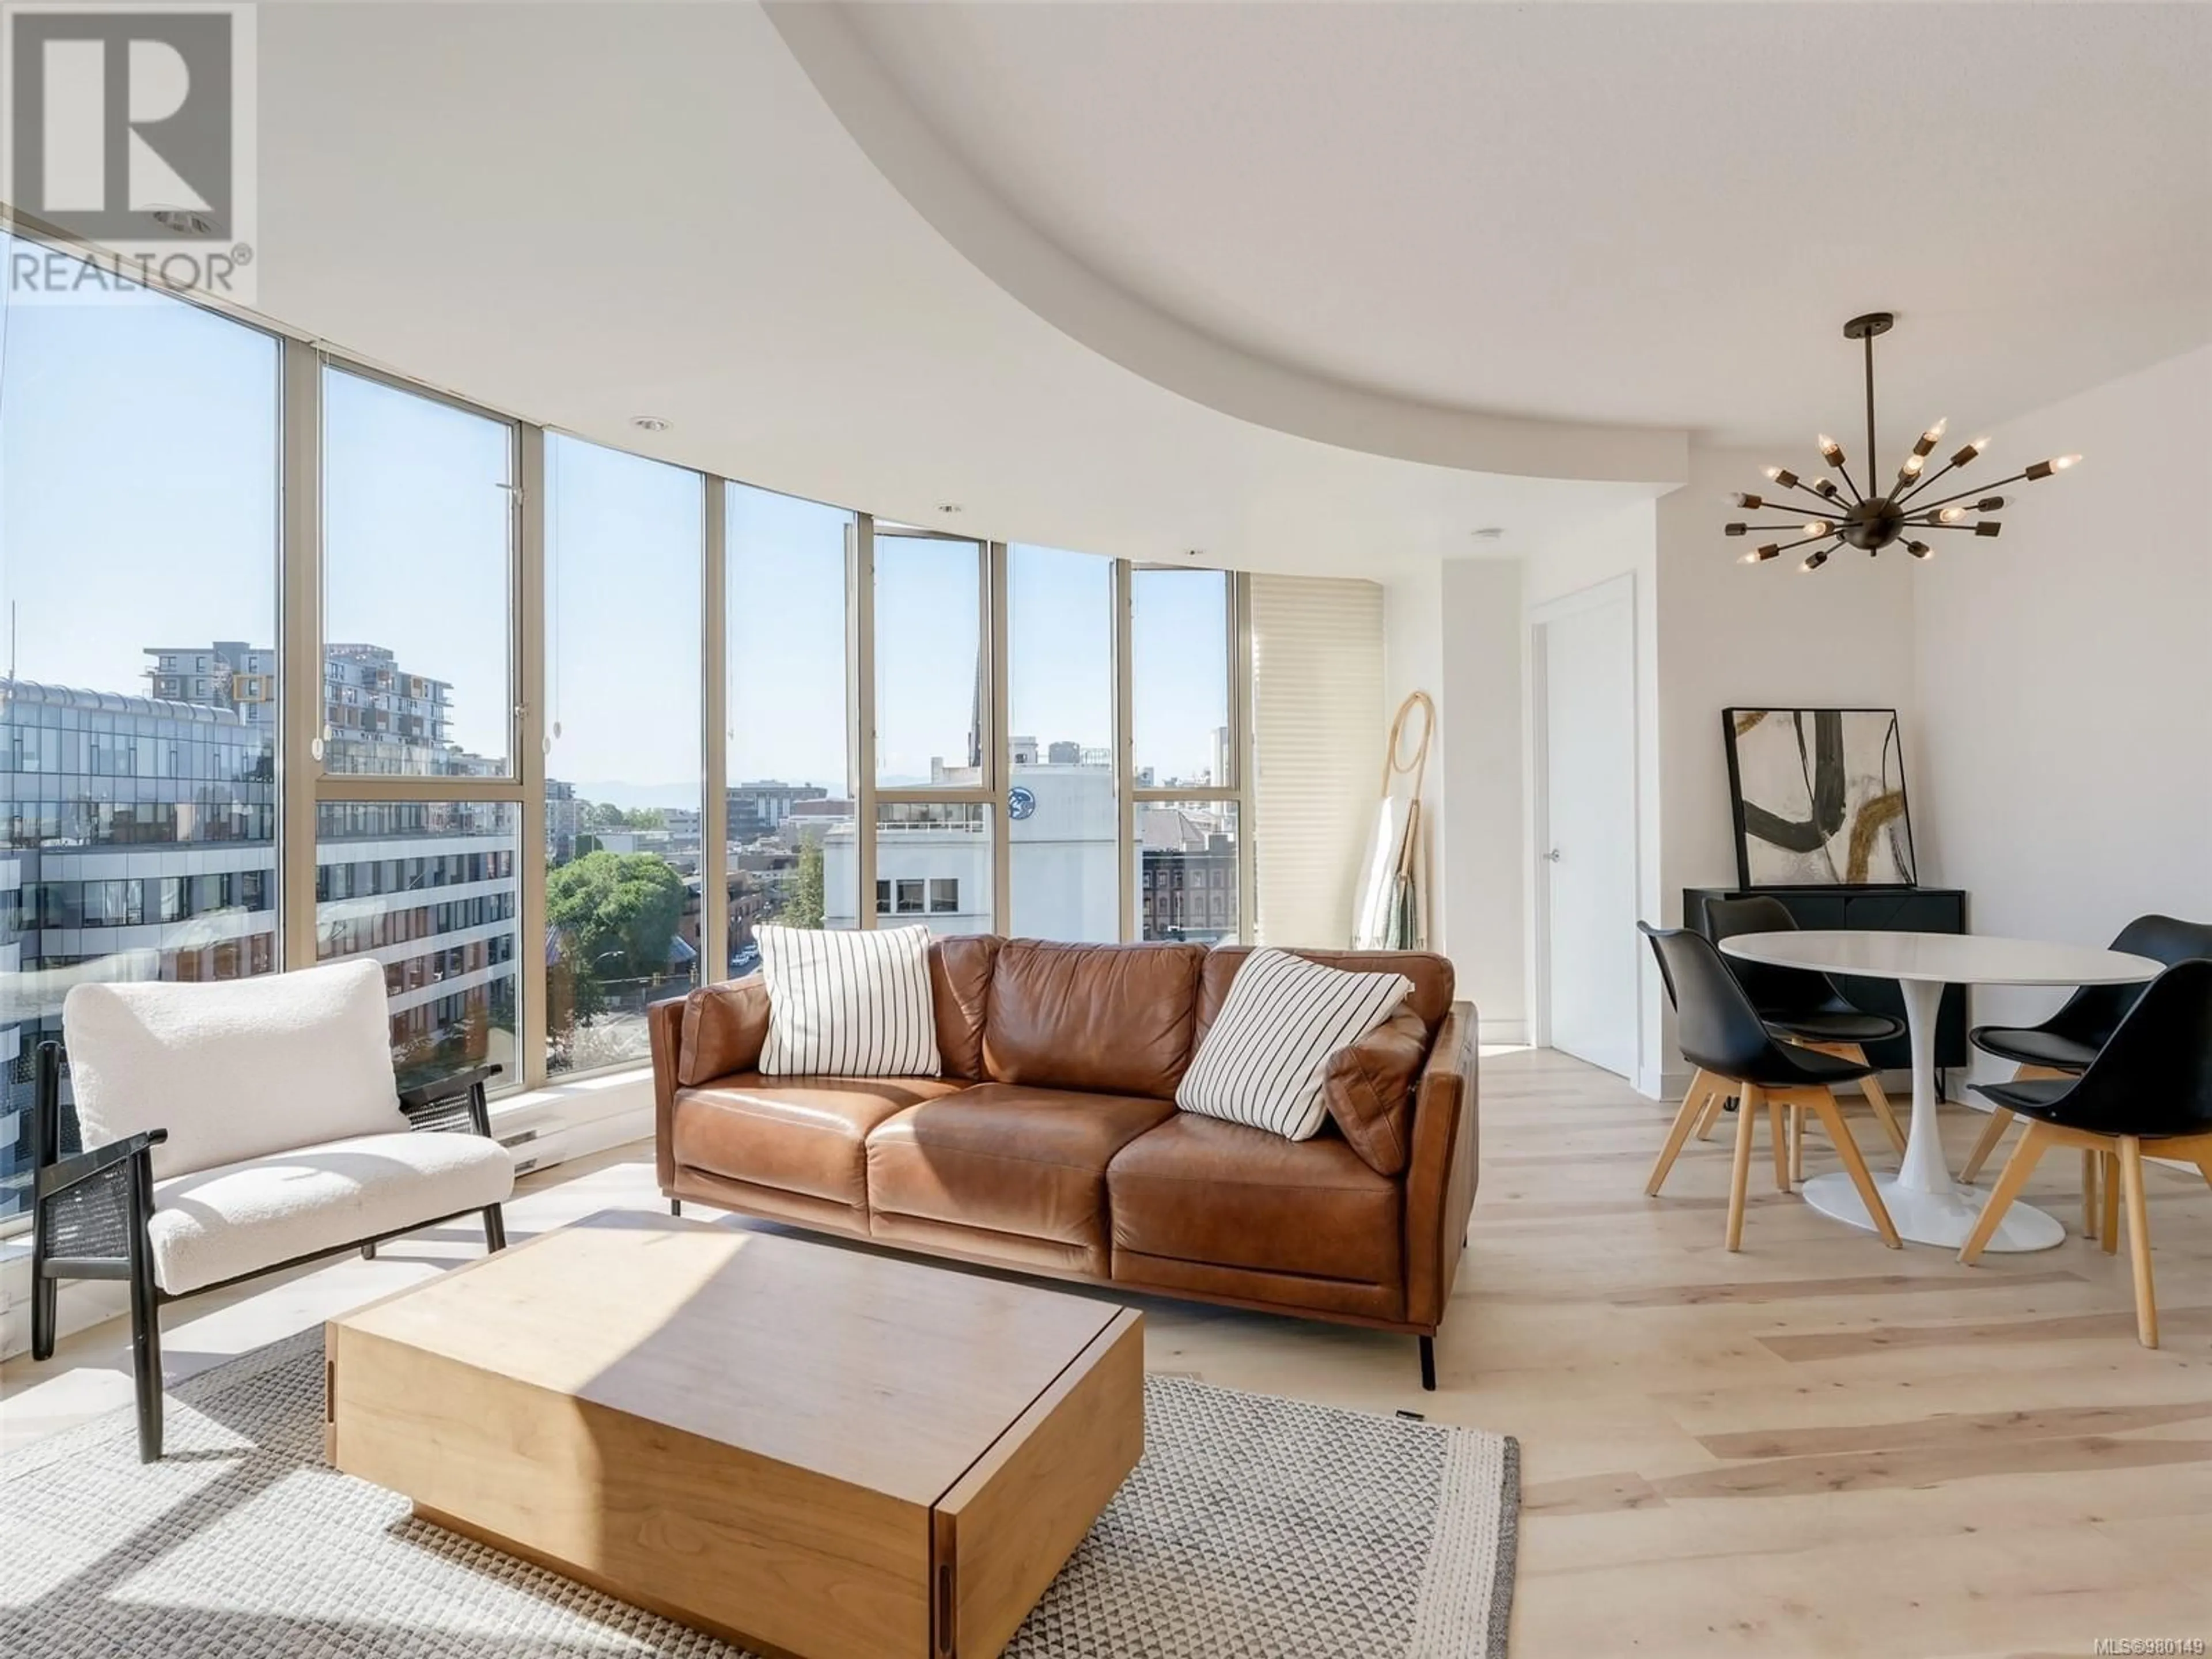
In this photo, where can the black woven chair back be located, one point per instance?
(2153, 1075)
(1777, 992)
(1719, 1030)
(2093, 1013)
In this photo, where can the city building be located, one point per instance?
(760, 807)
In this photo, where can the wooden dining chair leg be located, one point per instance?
(1878, 1098)
(1831, 1116)
(2000, 1121)
(2131, 1189)
(1777, 1130)
(2022, 1164)
(2091, 1161)
(1716, 1105)
(1693, 1106)
(1740, 1171)
(2109, 1171)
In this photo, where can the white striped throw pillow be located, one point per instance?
(1264, 1055)
(848, 1004)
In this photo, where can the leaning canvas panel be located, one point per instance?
(1819, 798)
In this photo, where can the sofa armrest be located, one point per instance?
(664, 1029)
(1440, 1174)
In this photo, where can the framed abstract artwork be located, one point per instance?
(1818, 796)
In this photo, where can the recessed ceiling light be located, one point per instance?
(951, 507)
(1194, 552)
(186, 221)
(650, 423)
(1489, 532)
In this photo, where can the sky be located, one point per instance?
(138, 507)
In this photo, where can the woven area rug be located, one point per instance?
(1254, 1528)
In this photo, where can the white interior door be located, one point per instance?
(1588, 850)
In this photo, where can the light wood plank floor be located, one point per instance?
(1817, 1447)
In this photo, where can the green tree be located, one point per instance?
(803, 908)
(616, 913)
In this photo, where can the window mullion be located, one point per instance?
(1127, 860)
(300, 651)
(531, 1036)
(861, 711)
(714, 726)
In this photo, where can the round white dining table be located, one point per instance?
(1924, 1204)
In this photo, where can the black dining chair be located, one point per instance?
(1804, 1006)
(1723, 1035)
(2064, 1045)
(2149, 1087)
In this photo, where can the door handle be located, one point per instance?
(1552, 857)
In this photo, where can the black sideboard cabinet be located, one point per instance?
(1871, 909)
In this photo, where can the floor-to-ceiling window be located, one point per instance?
(624, 544)
(936, 765)
(138, 589)
(788, 766)
(1063, 813)
(1183, 680)
(418, 602)
(480, 660)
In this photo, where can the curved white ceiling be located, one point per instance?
(1647, 214)
(583, 212)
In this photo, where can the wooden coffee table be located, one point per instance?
(807, 1449)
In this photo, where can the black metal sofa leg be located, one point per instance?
(495, 1228)
(1429, 1364)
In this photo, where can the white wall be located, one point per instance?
(2065, 675)
(1764, 636)
(1478, 742)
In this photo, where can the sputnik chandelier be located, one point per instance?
(1852, 517)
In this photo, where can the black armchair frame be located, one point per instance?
(90, 1211)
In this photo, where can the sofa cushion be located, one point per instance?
(1432, 976)
(803, 1134)
(1368, 1089)
(1110, 1019)
(1199, 1189)
(848, 1004)
(240, 1218)
(724, 1028)
(1263, 1060)
(1008, 1158)
(960, 985)
(234, 1068)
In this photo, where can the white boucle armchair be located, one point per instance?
(235, 1127)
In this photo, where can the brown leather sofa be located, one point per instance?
(1052, 1143)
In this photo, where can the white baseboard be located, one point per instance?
(1503, 1033)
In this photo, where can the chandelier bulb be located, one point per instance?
(2045, 469)
(1751, 502)
(1920, 549)
(1936, 432)
(2065, 461)
(1830, 451)
(1911, 470)
(1818, 528)
(1951, 515)
(1814, 559)
(1766, 552)
(1826, 486)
